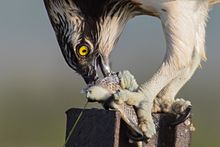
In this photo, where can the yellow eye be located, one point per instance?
(83, 50)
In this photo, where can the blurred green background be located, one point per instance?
(37, 86)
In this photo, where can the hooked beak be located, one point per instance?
(91, 76)
(104, 66)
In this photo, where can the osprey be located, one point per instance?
(87, 31)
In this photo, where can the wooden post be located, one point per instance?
(104, 128)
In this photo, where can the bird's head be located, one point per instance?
(87, 30)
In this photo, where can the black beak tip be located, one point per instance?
(90, 79)
(90, 74)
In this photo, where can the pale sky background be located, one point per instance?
(37, 86)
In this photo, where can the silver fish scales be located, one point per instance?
(128, 113)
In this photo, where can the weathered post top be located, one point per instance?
(104, 128)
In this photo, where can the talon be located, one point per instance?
(91, 101)
(137, 136)
(117, 98)
(184, 116)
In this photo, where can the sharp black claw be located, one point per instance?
(183, 116)
(137, 137)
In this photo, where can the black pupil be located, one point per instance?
(84, 51)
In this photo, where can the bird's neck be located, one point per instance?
(112, 23)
